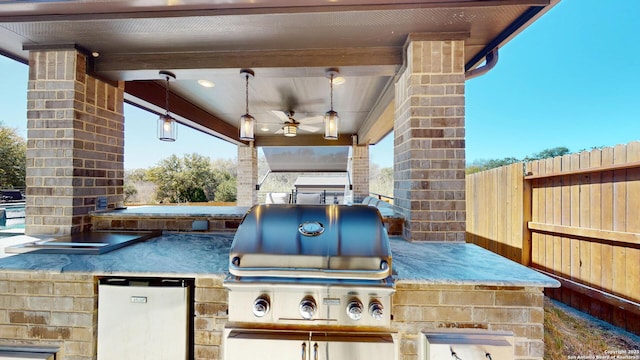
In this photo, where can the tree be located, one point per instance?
(548, 153)
(482, 165)
(227, 190)
(189, 179)
(13, 158)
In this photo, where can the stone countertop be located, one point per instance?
(188, 254)
(176, 211)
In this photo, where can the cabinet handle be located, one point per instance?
(315, 351)
(304, 351)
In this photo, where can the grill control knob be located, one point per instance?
(261, 306)
(354, 309)
(307, 307)
(376, 310)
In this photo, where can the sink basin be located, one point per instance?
(82, 243)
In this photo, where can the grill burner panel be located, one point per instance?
(311, 241)
(331, 298)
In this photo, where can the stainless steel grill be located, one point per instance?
(312, 281)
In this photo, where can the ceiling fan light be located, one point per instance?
(331, 119)
(247, 126)
(290, 130)
(167, 128)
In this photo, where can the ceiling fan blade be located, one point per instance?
(281, 115)
(313, 119)
(308, 128)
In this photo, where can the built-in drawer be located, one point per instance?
(466, 344)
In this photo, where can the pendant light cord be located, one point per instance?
(166, 97)
(246, 93)
(331, 82)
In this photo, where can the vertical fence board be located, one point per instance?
(607, 219)
(557, 215)
(566, 219)
(585, 196)
(633, 219)
(595, 218)
(619, 220)
(575, 217)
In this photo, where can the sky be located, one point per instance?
(571, 79)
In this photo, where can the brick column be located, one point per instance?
(75, 143)
(429, 151)
(247, 175)
(360, 172)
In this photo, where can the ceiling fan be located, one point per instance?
(290, 125)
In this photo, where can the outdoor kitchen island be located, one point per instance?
(51, 300)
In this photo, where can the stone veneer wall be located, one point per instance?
(75, 143)
(164, 223)
(51, 309)
(418, 307)
(360, 172)
(61, 310)
(247, 175)
(429, 146)
(211, 300)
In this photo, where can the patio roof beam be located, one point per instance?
(154, 93)
(303, 140)
(378, 56)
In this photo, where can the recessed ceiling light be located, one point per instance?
(206, 83)
(264, 128)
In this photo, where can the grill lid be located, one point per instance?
(315, 241)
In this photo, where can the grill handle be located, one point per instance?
(304, 351)
(315, 351)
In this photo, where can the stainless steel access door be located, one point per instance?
(285, 345)
(142, 322)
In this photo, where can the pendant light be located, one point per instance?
(167, 125)
(331, 118)
(247, 122)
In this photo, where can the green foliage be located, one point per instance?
(482, 165)
(13, 158)
(381, 180)
(129, 192)
(188, 179)
(227, 190)
(548, 153)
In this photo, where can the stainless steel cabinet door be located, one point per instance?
(138, 322)
(283, 345)
(351, 346)
(264, 345)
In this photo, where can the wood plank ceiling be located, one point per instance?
(289, 44)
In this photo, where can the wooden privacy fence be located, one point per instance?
(576, 218)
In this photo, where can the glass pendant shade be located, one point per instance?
(247, 122)
(290, 130)
(167, 125)
(247, 126)
(331, 119)
(167, 128)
